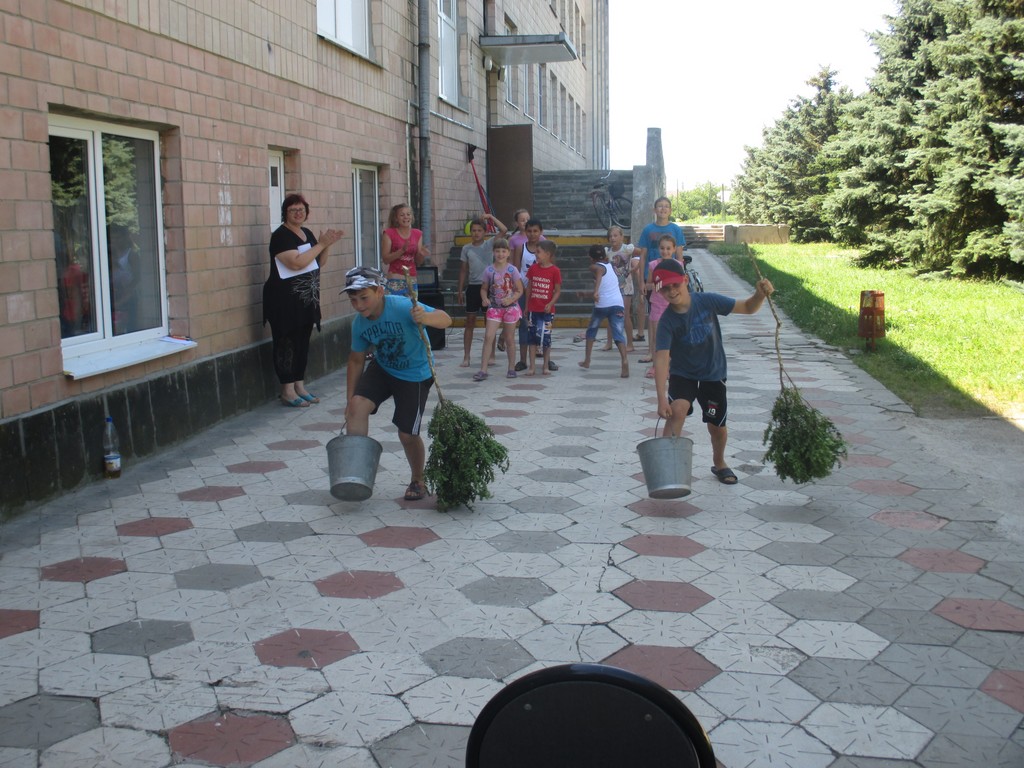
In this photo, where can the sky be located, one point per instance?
(713, 75)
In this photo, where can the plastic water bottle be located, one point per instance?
(111, 450)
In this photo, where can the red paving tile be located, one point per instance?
(231, 740)
(1006, 685)
(399, 537)
(154, 526)
(83, 569)
(857, 439)
(360, 585)
(884, 487)
(674, 596)
(994, 615)
(862, 460)
(293, 445)
(942, 560)
(13, 621)
(256, 467)
(517, 399)
(678, 669)
(908, 519)
(212, 493)
(501, 429)
(661, 507)
(309, 648)
(664, 546)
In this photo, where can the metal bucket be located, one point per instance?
(352, 462)
(667, 463)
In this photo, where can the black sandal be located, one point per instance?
(415, 491)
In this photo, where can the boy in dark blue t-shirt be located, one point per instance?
(689, 358)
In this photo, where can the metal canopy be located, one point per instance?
(509, 50)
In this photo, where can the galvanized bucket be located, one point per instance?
(667, 463)
(352, 463)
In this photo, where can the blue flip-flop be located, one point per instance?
(298, 402)
(310, 398)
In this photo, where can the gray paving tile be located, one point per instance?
(507, 590)
(849, 681)
(828, 606)
(424, 746)
(41, 721)
(142, 638)
(477, 657)
(902, 626)
(527, 541)
(217, 577)
(959, 712)
(961, 751)
(933, 665)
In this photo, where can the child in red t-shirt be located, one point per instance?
(542, 292)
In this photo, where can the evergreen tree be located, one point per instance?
(785, 180)
(931, 156)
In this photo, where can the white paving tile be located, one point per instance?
(108, 747)
(834, 639)
(157, 705)
(868, 731)
(450, 700)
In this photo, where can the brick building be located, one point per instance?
(149, 143)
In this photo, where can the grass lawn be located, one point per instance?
(951, 348)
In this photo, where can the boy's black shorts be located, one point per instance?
(473, 301)
(710, 395)
(377, 385)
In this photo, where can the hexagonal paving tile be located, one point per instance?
(40, 721)
(154, 526)
(273, 532)
(507, 590)
(212, 493)
(477, 657)
(672, 596)
(399, 537)
(994, 615)
(309, 648)
(664, 546)
(13, 622)
(142, 637)
(83, 569)
(678, 669)
(943, 560)
(231, 739)
(217, 576)
(365, 585)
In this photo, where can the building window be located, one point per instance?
(528, 98)
(563, 113)
(448, 37)
(512, 73)
(345, 22)
(107, 233)
(542, 112)
(275, 168)
(366, 216)
(553, 95)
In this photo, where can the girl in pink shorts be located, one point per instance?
(666, 250)
(499, 293)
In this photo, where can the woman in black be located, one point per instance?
(291, 296)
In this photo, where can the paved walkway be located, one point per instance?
(216, 606)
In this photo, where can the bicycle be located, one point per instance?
(694, 283)
(610, 204)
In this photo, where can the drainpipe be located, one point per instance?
(426, 177)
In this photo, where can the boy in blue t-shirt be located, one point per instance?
(689, 361)
(400, 367)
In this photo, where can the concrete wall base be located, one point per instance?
(51, 452)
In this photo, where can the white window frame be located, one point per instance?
(448, 50)
(275, 183)
(345, 22)
(100, 352)
(366, 230)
